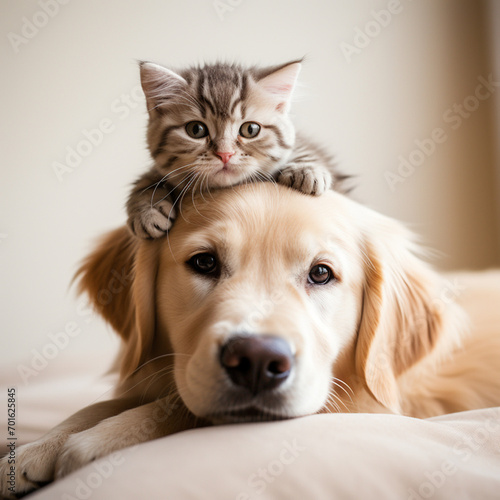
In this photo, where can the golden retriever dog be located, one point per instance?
(267, 304)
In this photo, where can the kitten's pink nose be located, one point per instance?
(225, 157)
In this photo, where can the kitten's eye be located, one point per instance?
(250, 130)
(196, 130)
(203, 263)
(320, 275)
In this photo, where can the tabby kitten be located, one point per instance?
(220, 125)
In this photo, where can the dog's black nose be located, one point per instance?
(257, 363)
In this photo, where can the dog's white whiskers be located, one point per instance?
(156, 358)
(162, 372)
(142, 380)
(332, 403)
(344, 387)
(332, 399)
(116, 389)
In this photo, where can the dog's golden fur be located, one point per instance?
(387, 335)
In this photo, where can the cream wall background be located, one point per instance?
(76, 71)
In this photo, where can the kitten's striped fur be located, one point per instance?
(222, 97)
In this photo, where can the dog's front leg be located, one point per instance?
(35, 463)
(144, 423)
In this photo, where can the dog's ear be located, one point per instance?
(139, 346)
(119, 277)
(402, 316)
(106, 275)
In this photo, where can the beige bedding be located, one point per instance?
(319, 457)
(345, 456)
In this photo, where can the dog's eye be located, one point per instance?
(250, 130)
(196, 130)
(320, 274)
(203, 263)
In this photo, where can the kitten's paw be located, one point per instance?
(307, 179)
(152, 222)
(34, 467)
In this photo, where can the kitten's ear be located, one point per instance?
(159, 84)
(279, 84)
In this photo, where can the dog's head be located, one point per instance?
(271, 304)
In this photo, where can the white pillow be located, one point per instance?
(344, 456)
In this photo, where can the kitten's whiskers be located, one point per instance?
(164, 179)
